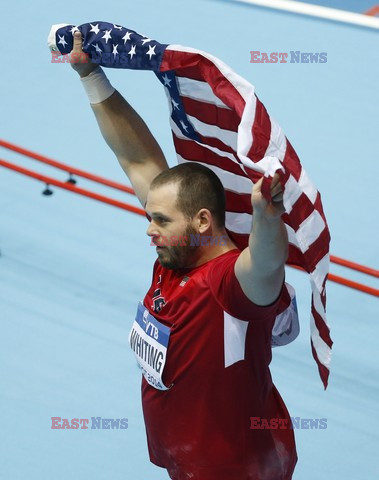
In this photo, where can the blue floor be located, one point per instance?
(72, 270)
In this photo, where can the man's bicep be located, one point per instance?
(230, 296)
(260, 287)
(142, 174)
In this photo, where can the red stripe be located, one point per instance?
(318, 206)
(313, 255)
(323, 371)
(197, 67)
(254, 175)
(238, 202)
(211, 114)
(217, 143)
(301, 210)
(261, 131)
(317, 250)
(291, 161)
(284, 302)
(240, 239)
(195, 152)
(192, 73)
(321, 327)
(206, 71)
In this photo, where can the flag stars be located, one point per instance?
(126, 37)
(184, 126)
(62, 41)
(132, 51)
(167, 81)
(117, 27)
(97, 48)
(95, 29)
(145, 40)
(107, 35)
(74, 29)
(174, 104)
(151, 51)
(115, 52)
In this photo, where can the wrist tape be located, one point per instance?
(97, 86)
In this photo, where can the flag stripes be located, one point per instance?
(217, 120)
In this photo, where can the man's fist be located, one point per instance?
(80, 60)
(275, 208)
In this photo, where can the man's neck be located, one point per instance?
(219, 243)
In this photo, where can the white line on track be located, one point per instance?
(318, 11)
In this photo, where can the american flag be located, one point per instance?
(217, 120)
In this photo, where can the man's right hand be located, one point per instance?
(80, 61)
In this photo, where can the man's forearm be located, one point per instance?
(268, 244)
(125, 132)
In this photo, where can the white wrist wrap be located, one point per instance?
(97, 86)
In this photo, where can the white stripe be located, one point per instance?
(231, 181)
(226, 136)
(244, 88)
(198, 90)
(317, 303)
(234, 339)
(245, 132)
(307, 186)
(324, 353)
(238, 222)
(310, 230)
(292, 192)
(291, 236)
(215, 150)
(320, 272)
(178, 133)
(318, 11)
(278, 144)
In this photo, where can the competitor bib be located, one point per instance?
(149, 340)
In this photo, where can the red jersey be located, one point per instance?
(217, 374)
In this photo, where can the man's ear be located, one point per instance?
(204, 220)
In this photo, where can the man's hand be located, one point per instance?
(260, 267)
(272, 210)
(80, 61)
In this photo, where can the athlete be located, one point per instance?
(202, 335)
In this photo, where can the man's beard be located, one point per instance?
(179, 256)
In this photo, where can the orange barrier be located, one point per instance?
(72, 188)
(373, 11)
(354, 266)
(347, 283)
(66, 168)
(140, 211)
(124, 188)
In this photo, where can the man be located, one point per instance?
(202, 335)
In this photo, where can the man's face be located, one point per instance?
(169, 229)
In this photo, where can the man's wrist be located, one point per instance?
(97, 86)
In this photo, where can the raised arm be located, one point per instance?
(260, 267)
(123, 129)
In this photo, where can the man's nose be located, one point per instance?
(152, 230)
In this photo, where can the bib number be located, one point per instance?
(149, 341)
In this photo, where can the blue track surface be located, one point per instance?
(72, 270)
